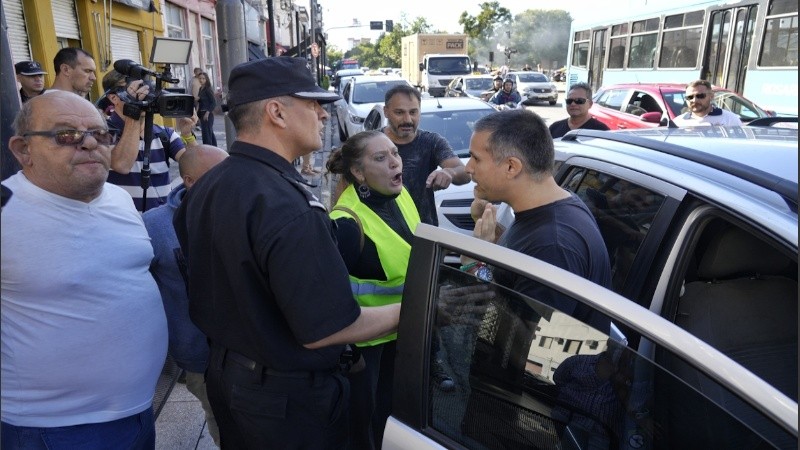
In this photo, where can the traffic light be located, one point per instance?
(389, 26)
(491, 57)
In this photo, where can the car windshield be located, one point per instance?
(449, 66)
(478, 84)
(373, 92)
(532, 78)
(454, 126)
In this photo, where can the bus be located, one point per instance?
(749, 47)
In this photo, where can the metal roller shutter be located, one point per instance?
(17, 34)
(66, 19)
(125, 44)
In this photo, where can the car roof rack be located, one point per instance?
(768, 121)
(785, 188)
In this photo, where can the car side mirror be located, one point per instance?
(421, 66)
(651, 117)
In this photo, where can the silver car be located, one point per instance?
(701, 228)
(534, 87)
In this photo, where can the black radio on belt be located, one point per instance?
(351, 360)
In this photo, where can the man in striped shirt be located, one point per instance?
(127, 157)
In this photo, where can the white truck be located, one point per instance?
(431, 61)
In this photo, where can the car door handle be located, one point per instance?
(621, 126)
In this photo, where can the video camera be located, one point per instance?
(158, 101)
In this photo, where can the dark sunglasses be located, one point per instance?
(696, 96)
(579, 101)
(75, 137)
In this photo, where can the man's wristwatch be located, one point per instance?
(480, 270)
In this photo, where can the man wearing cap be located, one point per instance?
(30, 76)
(128, 155)
(277, 321)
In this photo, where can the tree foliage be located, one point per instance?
(386, 51)
(484, 24)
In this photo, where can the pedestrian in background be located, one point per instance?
(30, 77)
(75, 71)
(701, 109)
(375, 222)
(266, 281)
(429, 163)
(83, 328)
(205, 109)
(187, 344)
(579, 100)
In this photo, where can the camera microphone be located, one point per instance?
(132, 68)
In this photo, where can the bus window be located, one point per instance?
(619, 39)
(580, 49)
(780, 35)
(681, 40)
(643, 46)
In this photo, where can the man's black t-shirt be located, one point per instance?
(564, 234)
(561, 127)
(420, 157)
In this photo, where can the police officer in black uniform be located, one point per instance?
(266, 282)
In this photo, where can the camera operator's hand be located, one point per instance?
(185, 125)
(138, 90)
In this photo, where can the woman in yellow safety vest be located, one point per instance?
(375, 222)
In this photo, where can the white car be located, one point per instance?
(341, 75)
(453, 118)
(534, 87)
(359, 95)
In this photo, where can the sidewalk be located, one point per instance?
(181, 424)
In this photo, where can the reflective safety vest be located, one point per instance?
(393, 252)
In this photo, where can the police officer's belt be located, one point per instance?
(247, 363)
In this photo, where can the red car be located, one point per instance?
(642, 105)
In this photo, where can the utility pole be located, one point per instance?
(232, 48)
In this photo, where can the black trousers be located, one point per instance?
(371, 396)
(258, 409)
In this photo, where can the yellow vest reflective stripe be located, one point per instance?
(393, 252)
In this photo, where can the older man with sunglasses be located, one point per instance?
(701, 111)
(83, 328)
(579, 100)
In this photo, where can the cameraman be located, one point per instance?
(127, 157)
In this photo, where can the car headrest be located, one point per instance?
(734, 252)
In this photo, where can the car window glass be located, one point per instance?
(346, 91)
(675, 102)
(612, 98)
(640, 103)
(373, 92)
(624, 212)
(507, 371)
(739, 294)
(745, 110)
(456, 127)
